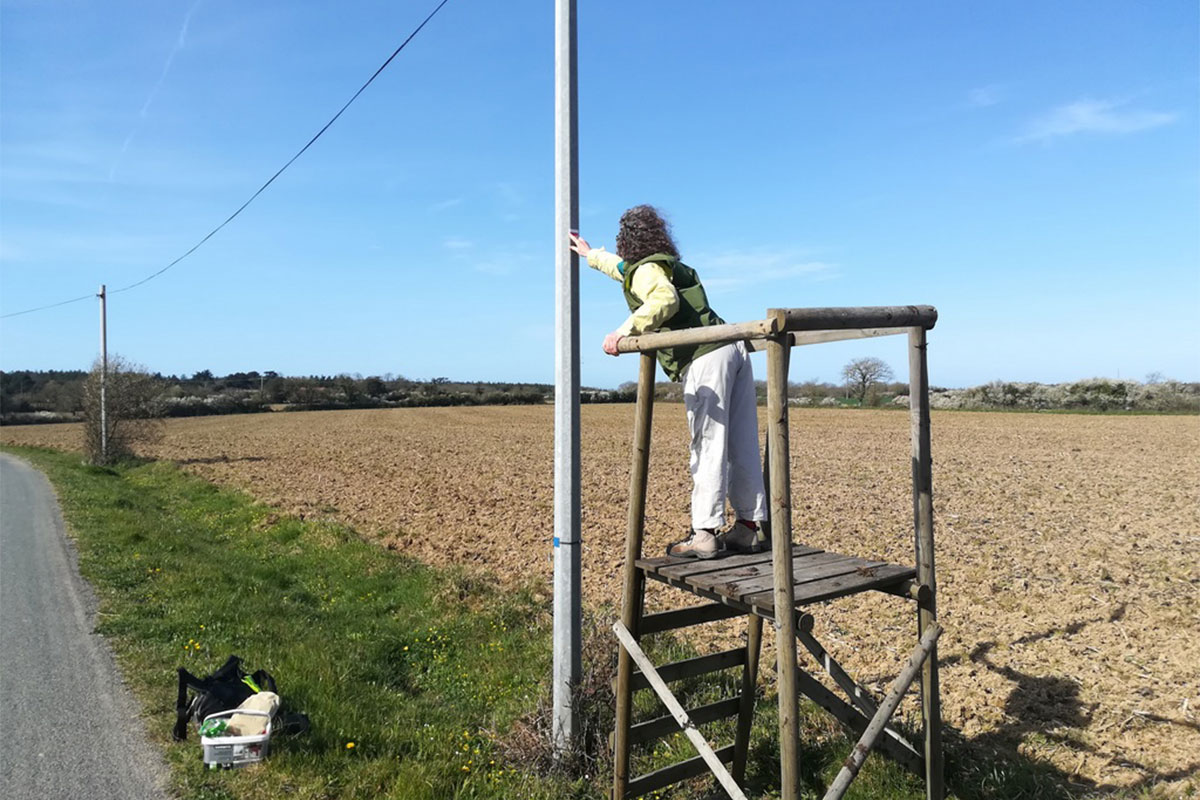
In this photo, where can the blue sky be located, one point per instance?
(1029, 168)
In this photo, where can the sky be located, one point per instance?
(1032, 169)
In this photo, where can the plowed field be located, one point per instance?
(1068, 546)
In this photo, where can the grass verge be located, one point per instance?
(420, 683)
(409, 675)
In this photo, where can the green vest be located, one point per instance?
(694, 311)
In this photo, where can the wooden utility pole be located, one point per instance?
(103, 374)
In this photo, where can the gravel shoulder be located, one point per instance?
(70, 728)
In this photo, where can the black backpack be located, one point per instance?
(223, 690)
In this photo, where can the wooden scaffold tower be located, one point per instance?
(778, 585)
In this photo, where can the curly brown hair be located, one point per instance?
(643, 233)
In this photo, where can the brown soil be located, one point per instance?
(1068, 546)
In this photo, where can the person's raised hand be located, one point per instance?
(610, 343)
(580, 245)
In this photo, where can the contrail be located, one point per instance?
(180, 41)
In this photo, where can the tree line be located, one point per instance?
(31, 396)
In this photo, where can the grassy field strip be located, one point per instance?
(414, 678)
(406, 673)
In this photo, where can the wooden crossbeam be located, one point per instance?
(686, 617)
(862, 699)
(675, 773)
(820, 337)
(691, 667)
(857, 694)
(661, 726)
(888, 707)
(897, 748)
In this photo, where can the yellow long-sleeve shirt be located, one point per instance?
(651, 284)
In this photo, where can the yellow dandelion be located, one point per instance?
(349, 745)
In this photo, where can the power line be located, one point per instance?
(52, 305)
(262, 188)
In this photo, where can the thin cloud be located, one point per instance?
(180, 41)
(442, 205)
(494, 268)
(508, 193)
(984, 96)
(458, 244)
(733, 269)
(1092, 116)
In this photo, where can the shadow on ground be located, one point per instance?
(1046, 707)
(221, 459)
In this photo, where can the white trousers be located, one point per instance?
(722, 413)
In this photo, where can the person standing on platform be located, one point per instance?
(665, 294)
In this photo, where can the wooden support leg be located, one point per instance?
(781, 549)
(746, 712)
(631, 601)
(922, 473)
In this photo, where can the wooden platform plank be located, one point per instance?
(858, 581)
(882, 576)
(804, 570)
(662, 562)
(674, 567)
(854, 581)
(746, 581)
(699, 592)
(727, 571)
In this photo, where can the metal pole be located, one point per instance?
(567, 610)
(103, 374)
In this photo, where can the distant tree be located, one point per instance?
(132, 410)
(863, 373)
(374, 387)
(1154, 378)
(203, 375)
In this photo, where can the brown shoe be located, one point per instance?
(701, 544)
(740, 539)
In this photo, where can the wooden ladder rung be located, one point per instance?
(686, 617)
(674, 773)
(691, 667)
(662, 726)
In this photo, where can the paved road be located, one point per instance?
(68, 726)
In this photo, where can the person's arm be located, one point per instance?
(609, 263)
(660, 300)
(651, 284)
(599, 259)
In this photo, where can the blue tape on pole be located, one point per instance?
(556, 541)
